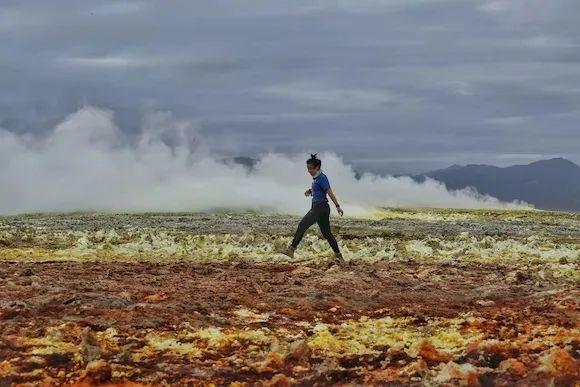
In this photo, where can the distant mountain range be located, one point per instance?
(552, 184)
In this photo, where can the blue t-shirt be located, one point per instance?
(319, 187)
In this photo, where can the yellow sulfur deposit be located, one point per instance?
(368, 336)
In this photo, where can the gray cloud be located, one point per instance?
(399, 85)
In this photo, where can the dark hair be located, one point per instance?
(313, 160)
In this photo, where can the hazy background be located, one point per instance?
(85, 163)
(390, 86)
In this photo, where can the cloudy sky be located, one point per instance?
(390, 85)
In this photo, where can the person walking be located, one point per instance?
(319, 211)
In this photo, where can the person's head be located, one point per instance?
(313, 164)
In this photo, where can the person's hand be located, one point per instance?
(340, 211)
(308, 192)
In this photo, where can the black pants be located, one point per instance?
(319, 213)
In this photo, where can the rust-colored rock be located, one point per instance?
(299, 350)
(428, 352)
(280, 380)
(273, 361)
(157, 297)
(559, 362)
(98, 371)
(514, 367)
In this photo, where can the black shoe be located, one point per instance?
(289, 251)
(338, 260)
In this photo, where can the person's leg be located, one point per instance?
(323, 220)
(308, 220)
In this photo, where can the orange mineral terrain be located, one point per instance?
(427, 297)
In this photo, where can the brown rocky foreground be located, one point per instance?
(72, 303)
(410, 319)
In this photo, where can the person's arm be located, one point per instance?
(331, 194)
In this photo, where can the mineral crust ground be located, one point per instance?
(426, 297)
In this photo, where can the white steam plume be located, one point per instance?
(84, 164)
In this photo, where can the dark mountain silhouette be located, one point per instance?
(552, 184)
